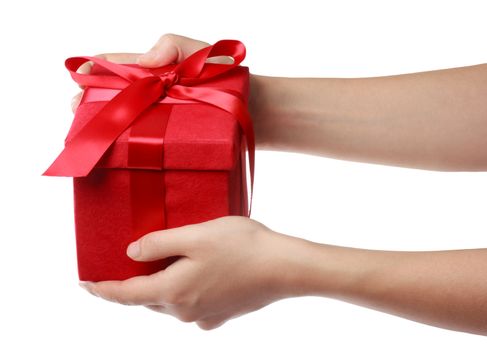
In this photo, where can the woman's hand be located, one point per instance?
(170, 48)
(234, 265)
(228, 267)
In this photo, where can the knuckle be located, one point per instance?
(124, 298)
(208, 325)
(146, 243)
(178, 296)
(186, 316)
(169, 37)
(198, 240)
(173, 297)
(161, 297)
(105, 293)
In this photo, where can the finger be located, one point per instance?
(139, 290)
(121, 58)
(221, 59)
(85, 68)
(75, 101)
(170, 48)
(211, 322)
(162, 54)
(163, 244)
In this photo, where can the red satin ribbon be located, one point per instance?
(140, 89)
(147, 188)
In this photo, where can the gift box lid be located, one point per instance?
(197, 136)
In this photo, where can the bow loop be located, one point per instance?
(193, 68)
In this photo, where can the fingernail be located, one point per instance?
(133, 250)
(88, 286)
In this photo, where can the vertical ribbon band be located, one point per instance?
(147, 188)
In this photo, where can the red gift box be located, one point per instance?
(152, 149)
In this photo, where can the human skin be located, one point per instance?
(234, 265)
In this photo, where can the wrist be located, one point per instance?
(314, 269)
(290, 114)
(297, 267)
(275, 110)
(258, 101)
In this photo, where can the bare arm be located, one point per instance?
(442, 288)
(433, 120)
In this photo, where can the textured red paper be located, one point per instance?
(204, 178)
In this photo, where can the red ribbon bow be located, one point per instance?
(140, 89)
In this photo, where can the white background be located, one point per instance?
(325, 200)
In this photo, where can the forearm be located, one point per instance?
(433, 120)
(445, 288)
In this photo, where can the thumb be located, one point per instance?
(161, 244)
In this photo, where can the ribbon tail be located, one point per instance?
(85, 149)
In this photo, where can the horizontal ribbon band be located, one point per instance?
(139, 89)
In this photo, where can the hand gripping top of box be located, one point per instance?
(139, 90)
